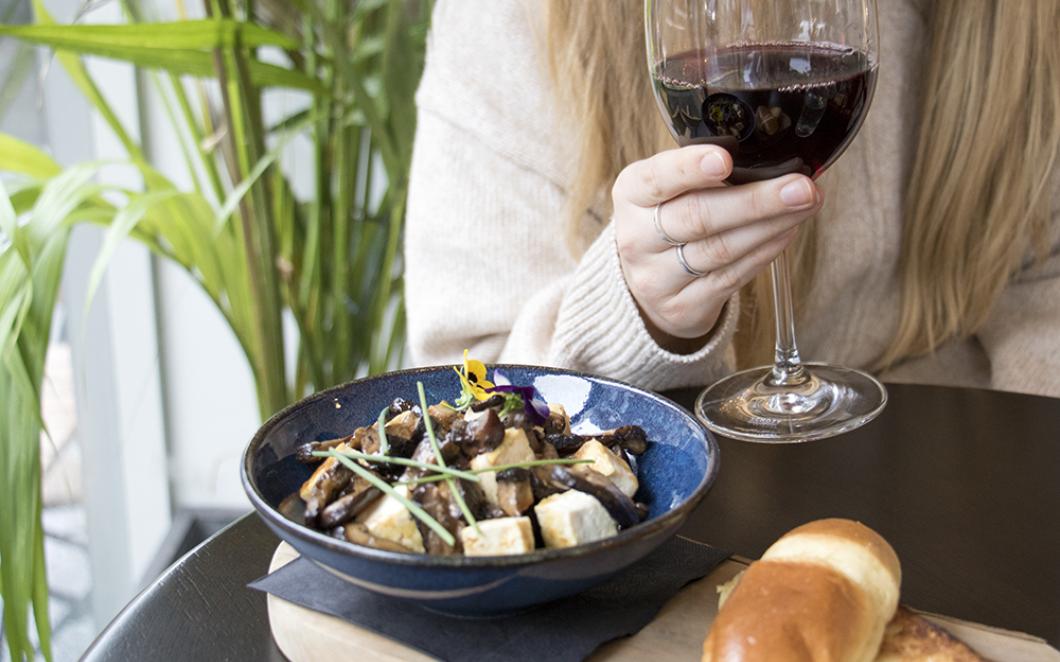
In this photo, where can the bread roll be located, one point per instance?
(824, 591)
(911, 638)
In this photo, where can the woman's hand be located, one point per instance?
(731, 233)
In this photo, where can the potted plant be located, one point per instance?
(331, 261)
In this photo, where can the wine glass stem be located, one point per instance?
(787, 366)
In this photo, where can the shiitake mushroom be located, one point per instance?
(304, 453)
(484, 433)
(349, 505)
(515, 495)
(495, 400)
(322, 487)
(631, 438)
(359, 535)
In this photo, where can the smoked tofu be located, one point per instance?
(389, 519)
(610, 465)
(503, 535)
(514, 448)
(572, 518)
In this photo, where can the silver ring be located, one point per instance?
(680, 248)
(657, 222)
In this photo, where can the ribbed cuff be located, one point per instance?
(599, 329)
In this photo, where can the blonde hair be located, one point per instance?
(977, 198)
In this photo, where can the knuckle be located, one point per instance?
(702, 213)
(687, 212)
(715, 250)
(726, 281)
(636, 282)
(647, 289)
(651, 288)
(673, 310)
(652, 179)
(624, 242)
(759, 205)
(684, 168)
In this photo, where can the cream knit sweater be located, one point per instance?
(486, 262)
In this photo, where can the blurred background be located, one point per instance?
(199, 223)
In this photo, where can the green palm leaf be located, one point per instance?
(25, 159)
(184, 47)
(29, 283)
(123, 224)
(198, 35)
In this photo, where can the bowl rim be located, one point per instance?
(674, 515)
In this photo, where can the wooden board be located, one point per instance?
(676, 634)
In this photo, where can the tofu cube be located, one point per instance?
(403, 425)
(503, 535)
(607, 463)
(514, 448)
(572, 518)
(389, 519)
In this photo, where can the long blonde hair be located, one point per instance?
(977, 199)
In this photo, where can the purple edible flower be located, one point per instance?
(534, 405)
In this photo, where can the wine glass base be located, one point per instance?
(831, 401)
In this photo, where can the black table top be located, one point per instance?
(964, 483)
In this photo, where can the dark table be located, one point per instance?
(964, 483)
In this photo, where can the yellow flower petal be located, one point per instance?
(474, 379)
(477, 373)
(463, 380)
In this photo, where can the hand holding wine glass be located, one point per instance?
(731, 233)
(784, 88)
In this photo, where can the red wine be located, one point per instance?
(777, 108)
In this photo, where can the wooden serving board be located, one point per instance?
(677, 633)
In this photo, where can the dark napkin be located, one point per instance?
(568, 629)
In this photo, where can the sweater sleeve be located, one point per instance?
(1022, 336)
(487, 266)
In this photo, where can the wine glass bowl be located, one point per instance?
(783, 87)
(777, 108)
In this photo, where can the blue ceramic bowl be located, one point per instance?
(675, 473)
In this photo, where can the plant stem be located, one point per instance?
(245, 137)
(206, 158)
(305, 288)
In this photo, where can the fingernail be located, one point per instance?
(713, 164)
(797, 194)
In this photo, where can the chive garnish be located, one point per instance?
(384, 445)
(357, 455)
(423, 479)
(450, 483)
(429, 426)
(411, 506)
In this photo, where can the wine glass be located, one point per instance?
(783, 85)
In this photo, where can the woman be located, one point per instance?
(929, 253)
